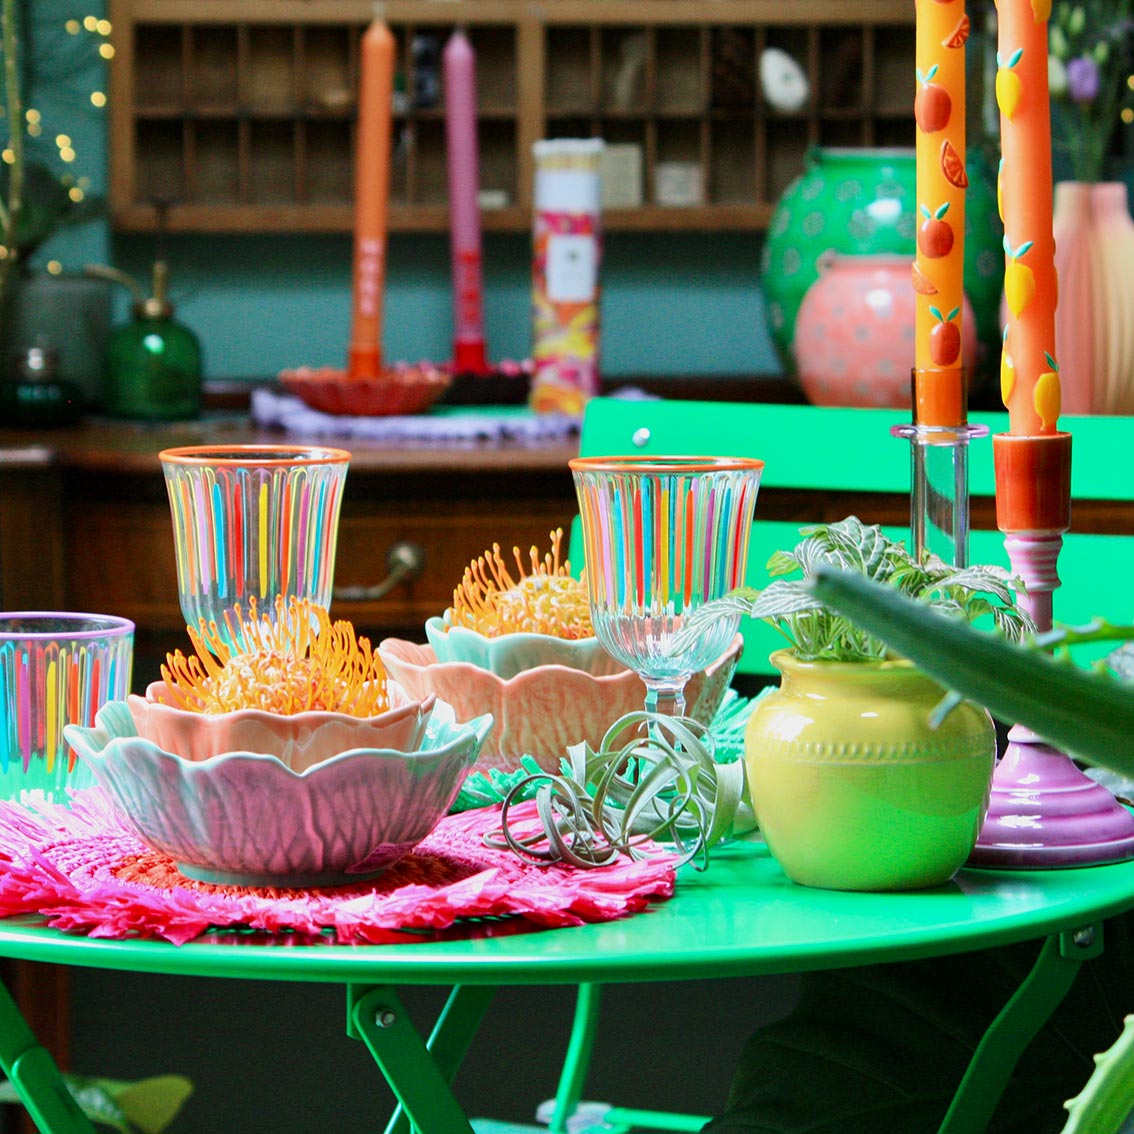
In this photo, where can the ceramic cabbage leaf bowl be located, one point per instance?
(540, 711)
(245, 818)
(299, 740)
(507, 655)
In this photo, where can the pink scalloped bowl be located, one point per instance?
(400, 389)
(300, 740)
(542, 710)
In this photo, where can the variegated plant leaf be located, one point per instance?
(1121, 661)
(781, 598)
(817, 632)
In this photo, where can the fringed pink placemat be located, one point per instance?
(85, 872)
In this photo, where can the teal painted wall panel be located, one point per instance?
(672, 303)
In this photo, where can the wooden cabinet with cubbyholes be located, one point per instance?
(239, 115)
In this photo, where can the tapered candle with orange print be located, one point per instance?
(371, 200)
(939, 113)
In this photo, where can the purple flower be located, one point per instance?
(1083, 79)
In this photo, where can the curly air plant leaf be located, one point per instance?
(664, 784)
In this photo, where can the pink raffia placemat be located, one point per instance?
(85, 872)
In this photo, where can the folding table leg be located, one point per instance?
(577, 1061)
(419, 1073)
(35, 1075)
(1021, 1018)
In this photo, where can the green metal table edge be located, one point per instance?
(740, 917)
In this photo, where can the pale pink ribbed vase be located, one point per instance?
(1113, 255)
(1094, 331)
(1071, 224)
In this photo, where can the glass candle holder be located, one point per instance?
(253, 522)
(55, 669)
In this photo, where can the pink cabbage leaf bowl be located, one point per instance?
(246, 819)
(542, 710)
(299, 740)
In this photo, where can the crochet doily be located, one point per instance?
(84, 871)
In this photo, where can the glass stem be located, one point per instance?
(665, 699)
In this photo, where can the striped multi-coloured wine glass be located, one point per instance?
(662, 536)
(253, 522)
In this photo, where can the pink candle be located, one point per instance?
(371, 200)
(464, 216)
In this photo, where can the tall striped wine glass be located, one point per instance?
(661, 536)
(253, 522)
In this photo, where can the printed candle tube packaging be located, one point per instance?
(567, 253)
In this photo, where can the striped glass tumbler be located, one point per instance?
(253, 523)
(56, 668)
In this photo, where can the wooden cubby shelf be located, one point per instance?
(239, 115)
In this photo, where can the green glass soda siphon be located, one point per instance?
(153, 363)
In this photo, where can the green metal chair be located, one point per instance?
(834, 455)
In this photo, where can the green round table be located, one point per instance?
(740, 917)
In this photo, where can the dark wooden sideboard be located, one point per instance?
(85, 523)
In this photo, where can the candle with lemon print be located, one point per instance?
(1035, 786)
(1033, 460)
(1029, 376)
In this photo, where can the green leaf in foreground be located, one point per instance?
(1087, 713)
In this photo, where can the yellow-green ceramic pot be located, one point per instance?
(852, 788)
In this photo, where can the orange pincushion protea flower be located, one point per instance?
(301, 662)
(545, 599)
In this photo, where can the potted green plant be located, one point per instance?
(1086, 711)
(850, 784)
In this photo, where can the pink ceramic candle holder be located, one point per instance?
(1043, 811)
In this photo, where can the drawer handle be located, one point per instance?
(405, 561)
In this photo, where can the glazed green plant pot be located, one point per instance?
(863, 202)
(851, 787)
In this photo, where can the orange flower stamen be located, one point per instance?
(299, 662)
(544, 600)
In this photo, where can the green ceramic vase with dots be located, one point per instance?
(857, 202)
(852, 787)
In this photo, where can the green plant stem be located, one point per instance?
(1090, 715)
(10, 211)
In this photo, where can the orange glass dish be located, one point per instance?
(397, 390)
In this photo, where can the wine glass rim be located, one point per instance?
(259, 455)
(665, 464)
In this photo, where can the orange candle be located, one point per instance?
(939, 113)
(371, 200)
(1029, 375)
